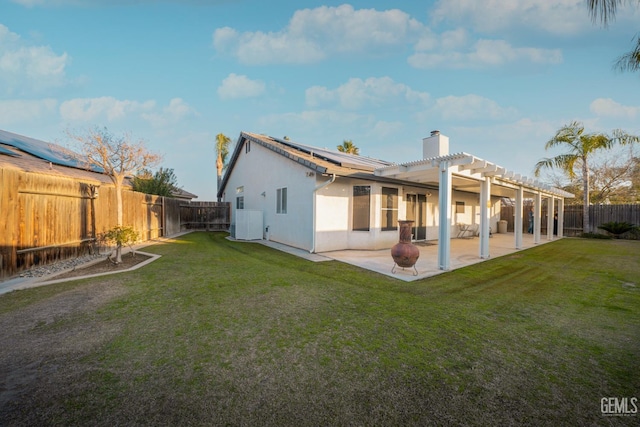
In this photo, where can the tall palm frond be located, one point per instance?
(348, 146)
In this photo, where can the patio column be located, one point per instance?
(444, 211)
(561, 217)
(485, 206)
(550, 206)
(537, 210)
(517, 223)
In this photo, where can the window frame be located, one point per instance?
(281, 201)
(389, 208)
(358, 214)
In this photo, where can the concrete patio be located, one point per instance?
(464, 252)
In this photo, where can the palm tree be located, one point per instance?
(605, 11)
(348, 147)
(222, 151)
(580, 147)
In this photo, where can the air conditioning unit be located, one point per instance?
(249, 224)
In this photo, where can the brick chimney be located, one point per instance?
(435, 145)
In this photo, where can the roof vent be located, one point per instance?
(435, 132)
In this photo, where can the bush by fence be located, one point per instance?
(598, 215)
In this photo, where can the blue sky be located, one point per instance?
(498, 77)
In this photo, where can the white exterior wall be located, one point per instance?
(334, 218)
(261, 170)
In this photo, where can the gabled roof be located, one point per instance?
(319, 160)
(422, 173)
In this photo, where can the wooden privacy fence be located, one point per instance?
(47, 218)
(598, 215)
(205, 216)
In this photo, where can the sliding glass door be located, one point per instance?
(417, 212)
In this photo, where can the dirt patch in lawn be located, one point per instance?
(105, 266)
(40, 342)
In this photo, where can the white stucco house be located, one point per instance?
(323, 200)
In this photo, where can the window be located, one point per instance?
(389, 209)
(459, 207)
(247, 146)
(240, 202)
(361, 207)
(281, 203)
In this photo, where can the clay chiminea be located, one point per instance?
(404, 253)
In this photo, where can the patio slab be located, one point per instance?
(464, 252)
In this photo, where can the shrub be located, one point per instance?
(595, 236)
(120, 236)
(616, 228)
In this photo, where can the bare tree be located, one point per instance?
(118, 157)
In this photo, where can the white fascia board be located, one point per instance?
(486, 170)
(499, 171)
(474, 165)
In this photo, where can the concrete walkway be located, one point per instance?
(464, 252)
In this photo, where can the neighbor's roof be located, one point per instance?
(14, 158)
(35, 156)
(53, 153)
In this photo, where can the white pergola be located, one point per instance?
(465, 172)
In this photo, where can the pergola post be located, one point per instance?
(550, 206)
(561, 217)
(444, 207)
(537, 210)
(517, 223)
(485, 206)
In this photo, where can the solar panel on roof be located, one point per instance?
(336, 157)
(50, 152)
(8, 152)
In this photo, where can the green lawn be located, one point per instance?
(225, 333)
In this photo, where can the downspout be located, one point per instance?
(313, 228)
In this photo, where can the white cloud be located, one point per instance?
(26, 68)
(316, 119)
(483, 54)
(358, 93)
(16, 111)
(100, 109)
(470, 107)
(173, 113)
(490, 16)
(607, 107)
(314, 34)
(237, 87)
